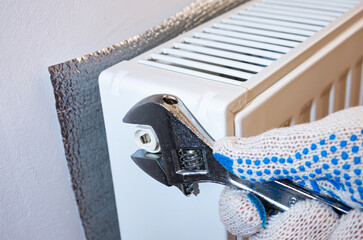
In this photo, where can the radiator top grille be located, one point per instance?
(237, 48)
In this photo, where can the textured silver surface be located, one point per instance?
(78, 104)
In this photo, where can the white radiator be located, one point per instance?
(263, 65)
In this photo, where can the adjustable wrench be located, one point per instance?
(182, 155)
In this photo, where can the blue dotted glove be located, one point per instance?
(324, 156)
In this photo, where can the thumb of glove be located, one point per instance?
(241, 212)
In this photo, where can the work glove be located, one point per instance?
(324, 156)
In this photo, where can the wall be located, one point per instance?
(36, 198)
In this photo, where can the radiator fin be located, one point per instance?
(244, 44)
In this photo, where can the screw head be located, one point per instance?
(292, 201)
(169, 99)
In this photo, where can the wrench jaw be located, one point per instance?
(151, 163)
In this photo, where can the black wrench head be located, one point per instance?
(185, 146)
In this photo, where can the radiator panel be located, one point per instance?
(238, 77)
(276, 44)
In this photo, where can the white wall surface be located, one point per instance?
(36, 198)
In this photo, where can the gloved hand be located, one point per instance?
(323, 156)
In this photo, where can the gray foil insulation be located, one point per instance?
(79, 111)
